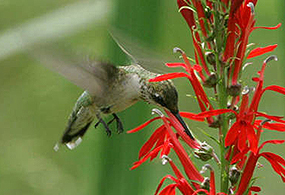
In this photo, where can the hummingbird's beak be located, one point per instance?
(181, 121)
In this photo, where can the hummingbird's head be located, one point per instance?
(165, 95)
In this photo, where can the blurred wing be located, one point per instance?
(139, 54)
(89, 75)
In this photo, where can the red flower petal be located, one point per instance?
(212, 184)
(197, 67)
(176, 65)
(247, 173)
(261, 50)
(151, 141)
(242, 138)
(185, 187)
(186, 13)
(272, 126)
(160, 142)
(169, 190)
(269, 28)
(276, 162)
(215, 112)
(276, 88)
(175, 170)
(255, 188)
(162, 181)
(270, 142)
(201, 190)
(143, 125)
(232, 134)
(189, 168)
(138, 163)
(169, 76)
(180, 130)
(274, 118)
(191, 116)
(251, 136)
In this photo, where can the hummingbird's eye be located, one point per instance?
(158, 99)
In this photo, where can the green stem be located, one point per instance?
(222, 97)
(223, 131)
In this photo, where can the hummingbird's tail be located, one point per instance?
(78, 123)
(73, 140)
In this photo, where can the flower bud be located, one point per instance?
(234, 108)
(211, 58)
(234, 90)
(211, 81)
(205, 152)
(206, 184)
(215, 124)
(234, 175)
(208, 12)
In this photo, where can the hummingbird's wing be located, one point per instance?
(89, 74)
(151, 60)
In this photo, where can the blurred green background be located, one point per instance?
(35, 102)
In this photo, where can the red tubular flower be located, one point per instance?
(188, 15)
(240, 25)
(271, 126)
(243, 129)
(212, 187)
(202, 98)
(230, 46)
(159, 141)
(277, 163)
(190, 170)
(261, 50)
(220, 39)
(180, 182)
(245, 20)
(163, 140)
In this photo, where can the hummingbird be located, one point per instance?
(109, 89)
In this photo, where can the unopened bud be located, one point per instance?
(234, 90)
(234, 175)
(206, 184)
(216, 123)
(211, 58)
(205, 152)
(208, 12)
(234, 108)
(211, 81)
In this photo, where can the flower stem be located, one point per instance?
(223, 131)
(222, 96)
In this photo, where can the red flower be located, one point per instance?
(202, 98)
(240, 25)
(242, 131)
(180, 182)
(277, 163)
(243, 22)
(187, 13)
(220, 44)
(163, 140)
(261, 50)
(212, 187)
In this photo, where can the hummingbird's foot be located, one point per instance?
(120, 128)
(107, 129)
